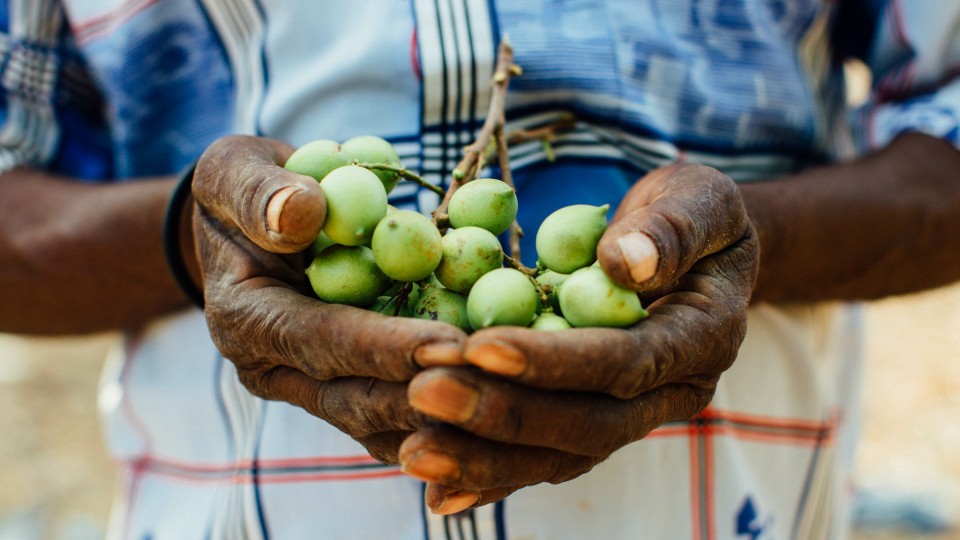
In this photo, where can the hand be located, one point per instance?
(549, 406)
(345, 365)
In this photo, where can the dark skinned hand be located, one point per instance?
(348, 366)
(549, 406)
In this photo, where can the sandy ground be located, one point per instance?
(56, 481)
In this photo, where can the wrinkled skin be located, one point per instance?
(542, 407)
(348, 366)
(548, 407)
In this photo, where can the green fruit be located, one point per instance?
(317, 159)
(590, 298)
(441, 304)
(567, 239)
(551, 281)
(487, 203)
(347, 275)
(407, 245)
(502, 297)
(468, 253)
(320, 243)
(371, 149)
(550, 322)
(356, 202)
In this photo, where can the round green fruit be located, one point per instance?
(347, 275)
(567, 239)
(550, 322)
(320, 243)
(502, 297)
(442, 304)
(374, 150)
(317, 159)
(590, 298)
(407, 245)
(487, 203)
(468, 253)
(356, 202)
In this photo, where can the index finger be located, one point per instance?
(240, 181)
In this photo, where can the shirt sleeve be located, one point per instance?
(915, 61)
(51, 112)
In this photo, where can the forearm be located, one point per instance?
(883, 225)
(80, 258)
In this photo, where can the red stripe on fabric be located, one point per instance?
(328, 477)
(768, 421)
(415, 56)
(694, 480)
(778, 438)
(99, 26)
(141, 471)
(707, 433)
(264, 463)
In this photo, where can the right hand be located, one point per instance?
(346, 365)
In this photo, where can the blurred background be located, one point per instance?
(56, 481)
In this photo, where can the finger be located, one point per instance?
(458, 460)
(446, 500)
(240, 181)
(256, 314)
(360, 407)
(587, 424)
(384, 447)
(326, 341)
(672, 218)
(693, 331)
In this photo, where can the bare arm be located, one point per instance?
(883, 225)
(80, 258)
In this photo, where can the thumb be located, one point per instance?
(668, 221)
(240, 181)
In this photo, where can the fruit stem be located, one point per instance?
(401, 297)
(470, 165)
(517, 265)
(546, 133)
(506, 174)
(404, 174)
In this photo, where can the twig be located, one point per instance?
(517, 265)
(403, 173)
(469, 166)
(543, 133)
(503, 154)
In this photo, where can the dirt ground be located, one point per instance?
(56, 481)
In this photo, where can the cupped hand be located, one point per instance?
(549, 406)
(346, 365)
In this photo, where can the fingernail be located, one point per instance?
(498, 358)
(431, 466)
(445, 399)
(438, 354)
(456, 502)
(640, 255)
(275, 207)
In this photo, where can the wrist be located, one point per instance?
(178, 240)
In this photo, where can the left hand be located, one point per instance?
(549, 406)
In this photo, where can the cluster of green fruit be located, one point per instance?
(397, 262)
